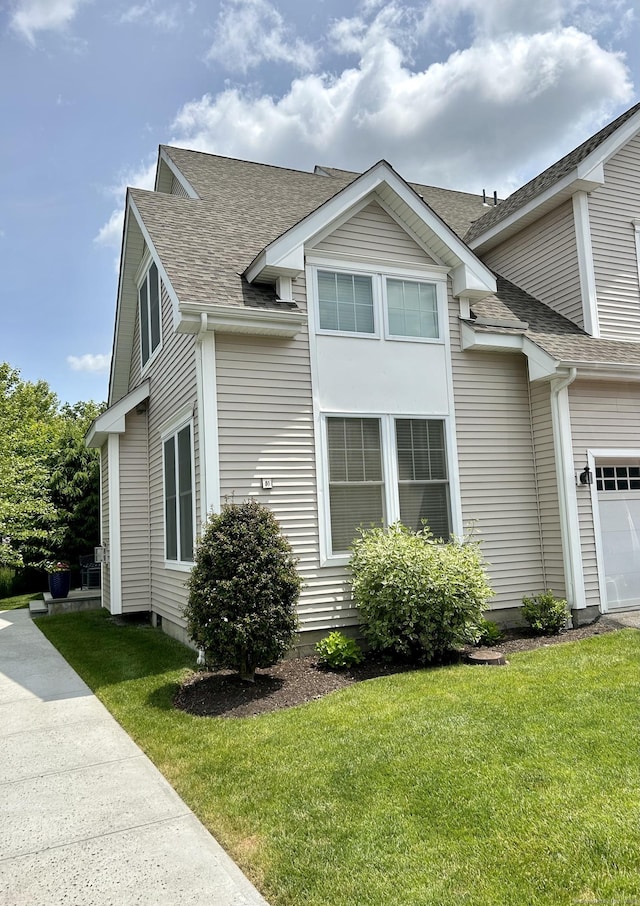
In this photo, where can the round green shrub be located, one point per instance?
(243, 589)
(417, 596)
(546, 614)
(338, 650)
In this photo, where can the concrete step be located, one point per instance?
(36, 608)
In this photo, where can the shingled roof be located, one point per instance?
(547, 178)
(560, 338)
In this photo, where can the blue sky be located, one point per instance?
(467, 94)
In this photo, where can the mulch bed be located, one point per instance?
(299, 680)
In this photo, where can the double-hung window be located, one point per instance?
(149, 305)
(345, 302)
(412, 309)
(414, 450)
(179, 496)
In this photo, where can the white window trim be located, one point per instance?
(432, 274)
(389, 471)
(169, 432)
(142, 275)
(441, 309)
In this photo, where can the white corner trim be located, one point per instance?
(586, 267)
(597, 533)
(568, 501)
(207, 422)
(115, 549)
(184, 182)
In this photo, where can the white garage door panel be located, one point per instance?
(620, 531)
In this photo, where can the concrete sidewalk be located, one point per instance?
(85, 817)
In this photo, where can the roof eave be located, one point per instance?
(285, 256)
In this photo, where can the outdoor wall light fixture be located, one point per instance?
(586, 477)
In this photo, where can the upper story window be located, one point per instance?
(345, 302)
(358, 303)
(149, 301)
(412, 309)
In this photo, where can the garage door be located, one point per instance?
(619, 505)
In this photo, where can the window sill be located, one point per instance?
(180, 566)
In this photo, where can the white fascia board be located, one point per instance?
(605, 371)
(466, 284)
(175, 302)
(113, 420)
(587, 176)
(234, 319)
(541, 365)
(287, 251)
(561, 191)
(182, 179)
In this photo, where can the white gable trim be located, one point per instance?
(182, 179)
(175, 302)
(113, 420)
(585, 177)
(285, 256)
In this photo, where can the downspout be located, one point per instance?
(204, 325)
(567, 499)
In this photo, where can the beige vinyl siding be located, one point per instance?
(547, 483)
(604, 415)
(374, 234)
(265, 423)
(612, 207)
(172, 376)
(497, 466)
(543, 260)
(104, 528)
(134, 514)
(124, 380)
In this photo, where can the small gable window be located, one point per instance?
(345, 302)
(149, 301)
(412, 309)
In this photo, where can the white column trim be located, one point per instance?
(207, 421)
(586, 268)
(115, 549)
(568, 501)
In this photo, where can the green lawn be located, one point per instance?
(18, 601)
(461, 785)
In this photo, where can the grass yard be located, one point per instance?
(18, 601)
(459, 785)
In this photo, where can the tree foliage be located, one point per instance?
(48, 480)
(243, 589)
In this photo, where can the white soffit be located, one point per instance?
(285, 256)
(113, 420)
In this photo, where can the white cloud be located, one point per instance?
(98, 364)
(491, 114)
(250, 32)
(149, 13)
(31, 16)
(110, 233)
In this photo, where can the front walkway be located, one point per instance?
(86, 818)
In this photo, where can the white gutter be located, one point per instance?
(567, 499)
